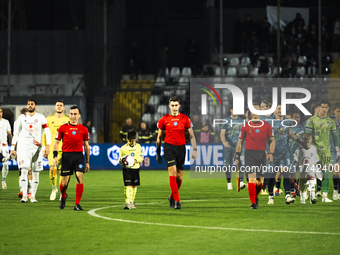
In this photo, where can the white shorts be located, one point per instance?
(4, 150)
(31, 159)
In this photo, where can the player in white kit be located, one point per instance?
(5, 131)
(307, 160)
(28, 132)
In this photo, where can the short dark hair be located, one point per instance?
(335, 106)
(267, 103)
(307, 136)
(23, 110)
(314, 106)
(75, 107)
(32, 100)
(175, 99)
(325, 101)
(61, 101)
(132, 134)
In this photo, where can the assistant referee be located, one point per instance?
(174, 124)
(256, 133)
(74, 135)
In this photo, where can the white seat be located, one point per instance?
(218, 71)
(160, 81)
(270, 61)
(275, 71)
(302, 60)
(126, 77)
(147, 117)
(300, 71)
(217, 80)
(234, 62)
(245, 61)
(232, 72)
(157, 116)
(175, 71)
(154, 100)
(180, 92)
(243, 71)
(163, 109)
(168, 93)
(183, 81)
(254, 72)
(186, 71)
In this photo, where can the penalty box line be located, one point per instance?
(93, 213)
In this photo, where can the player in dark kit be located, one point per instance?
(174, 125)
(74, 135)
(256, 133)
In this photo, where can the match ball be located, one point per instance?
(128, 161)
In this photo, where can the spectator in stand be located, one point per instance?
(325, 33)
(255, 46)
(289, 31)
(313, 35)
(87, 124)
(262, 65)
(336, 35)
(300, 38)
(286, 45)
(207, 135)
(125, 129)
(312, 66)
(265, 33)
(144, 134)
(197, 127)
(298, 21)
(248, 29)
(289, 66)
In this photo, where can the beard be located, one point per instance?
(32, 110)
(59, 112)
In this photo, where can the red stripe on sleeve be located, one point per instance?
(45, 126)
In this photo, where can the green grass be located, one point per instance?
(43, 228)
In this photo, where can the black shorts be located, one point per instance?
(131, 177)
(72, 161)
(254, 160)
(174, 155)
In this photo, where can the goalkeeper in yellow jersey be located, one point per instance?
(54, 122)
(131, 174)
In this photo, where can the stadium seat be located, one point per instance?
(275, 71)
(245, 61)
(243, 71)
(168, 93)
(217, 80)
(157, 116)
(232, 72)
(126, 77)
(186, 71)
(234, 62)
(180, 92)
(184, 81)
(300, 71)
(218, 71)
(270, 61)
(175, 72)
(254, 72)
(163, 109)
(147, 117)
(302, 60)
(154, 100)
(160, 81)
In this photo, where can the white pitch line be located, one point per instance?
(93, 213)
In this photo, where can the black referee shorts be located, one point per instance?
(254, 160)
(174, 155)
(72, 161)
(131, 177)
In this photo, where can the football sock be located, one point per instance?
(174, 187)
(179, 182)
(228, 174)
(278, 184)
(79, 192)
(252, 192)
(258, 189)
(20, 185)
(35, 183)
(30, 186)
(134, 191)
(286, 185)
(63, 190)
(335, 182)
(265, 183)
(53, 180)
(271, 183)
(23, 181)
(125, 194)
(319, 184)
(325, 183)
(292, 187)
(4, 170)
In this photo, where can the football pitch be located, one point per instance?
(212, 220)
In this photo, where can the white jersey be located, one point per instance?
(4, 128)
(307, 157)
(28, 131)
